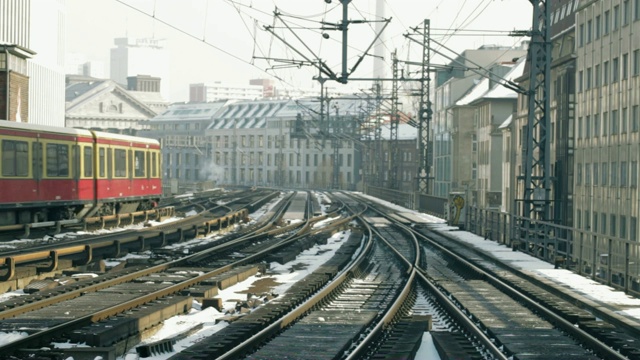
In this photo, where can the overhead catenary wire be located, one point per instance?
(192, 36)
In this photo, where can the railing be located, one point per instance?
(607, 259)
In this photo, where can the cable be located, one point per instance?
(189, 35)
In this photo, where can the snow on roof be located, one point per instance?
(506, 123)
(484, 89)
(501, 92)
(476, 92)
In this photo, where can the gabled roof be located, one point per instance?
(80, 93)
(192, 111)
(484, 89)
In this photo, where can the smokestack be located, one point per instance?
(379, 66)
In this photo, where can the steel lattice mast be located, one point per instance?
(394, 150)
(424, 115)
(536, 203)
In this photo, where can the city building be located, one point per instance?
(78, 64)
(186, 150)
(224, 91)
(138, 56)
(607, 119)
(562, 118)
(257, 142)
(492, 105)
(104, 105)
(268, 87)
(407, 147)
(32, 33)
(451, 158)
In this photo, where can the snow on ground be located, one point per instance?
(579, 284)
(282, 276)
(325, 222)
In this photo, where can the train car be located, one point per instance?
(51, 173)
(128, 173)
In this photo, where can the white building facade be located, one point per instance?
(224, 91)
(607, 129)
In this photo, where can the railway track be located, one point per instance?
(379, 293)
(103, 310)
(29, 263)
(523, 320)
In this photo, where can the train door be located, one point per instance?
(36, 164)
(75, 170)
(130, 160)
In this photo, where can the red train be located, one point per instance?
(50, 173)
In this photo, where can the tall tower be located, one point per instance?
(140, 56)
(379, 66)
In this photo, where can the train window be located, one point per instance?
(15, 158)
(148, 162)
(139, 163)
(37, 160)
(154, 165)
(120, 163)
(101, 162)
(130, 158)
(75, 162)
(88, 161)
(109, 163)
(57, 160)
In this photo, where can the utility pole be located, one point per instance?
(536, 200)
(335, 144)
(394, 158)
(424, 115)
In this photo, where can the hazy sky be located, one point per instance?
(218, 40)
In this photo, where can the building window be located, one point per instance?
(595, 174)
(579, 127)
(605, 73)
(604, 172)
(635, 121)
(607, 23)
(580, 82)
(615, 70)
(625, 66)
(598, 27)
(598, 75)
(636, 10)
(612, 224)
(587, 127)
(623, 226)
(588, 79)
(614, 122)
(625, 12)
(589, 31)
(636, 62)
(581, 36)
(623, 173)
(634, 174)
(616, 17)
(579, 175)
(605, 123)
(624, 121)
(596, 125)
(614, 173)
(587, 174)
(633, 228)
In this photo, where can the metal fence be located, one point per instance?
(606, 259)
